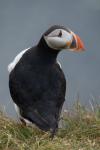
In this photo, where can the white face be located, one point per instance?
(59, 39)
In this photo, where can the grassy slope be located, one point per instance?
(81, 131)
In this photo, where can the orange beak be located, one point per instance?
(76, 44)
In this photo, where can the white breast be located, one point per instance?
(12, 65)
(17, 109)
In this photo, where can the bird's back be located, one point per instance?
(38, 88)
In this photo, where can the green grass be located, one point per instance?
(81, 131)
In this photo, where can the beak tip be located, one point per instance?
(80, 44)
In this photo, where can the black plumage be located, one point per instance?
(37, 85)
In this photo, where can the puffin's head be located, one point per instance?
(58, 37)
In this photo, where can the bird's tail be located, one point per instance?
(37, 119)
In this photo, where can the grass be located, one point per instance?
(81, 131)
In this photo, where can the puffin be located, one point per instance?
(37, 83)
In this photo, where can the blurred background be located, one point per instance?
(22, 23)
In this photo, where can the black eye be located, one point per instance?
(60, 34)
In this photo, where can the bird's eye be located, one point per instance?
(60, 34)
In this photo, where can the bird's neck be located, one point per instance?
(46, 52)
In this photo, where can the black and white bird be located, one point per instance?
(36, 81)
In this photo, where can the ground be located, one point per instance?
(80, 131)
